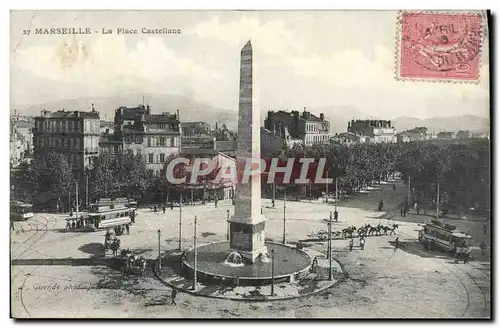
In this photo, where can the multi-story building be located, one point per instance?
(347, 138)
(195, 129)
(446, 135)
(374, 130)
(306, 126)
(415, 134)
(463, 134)
(153, 136)
(74, 134)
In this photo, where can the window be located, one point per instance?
(150, 158)
(78, 143)
(162, 141)
(149, 142)
(139, 152)
(162, 158)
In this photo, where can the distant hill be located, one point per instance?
(462, 122)
(190, 110)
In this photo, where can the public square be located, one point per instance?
(64, 274)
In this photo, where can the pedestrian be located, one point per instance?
(12, 225)
(128, 229)
(466, 256)
(336, 216)
(483, 247)
(362, 243)
(174, 295)
(73, 224)
(380, 205)
(154, 208)
(351, 244)
(401, 210)
(171, 205)
(217, 202)
(164, 209)
(396, 243)
(394, 187)
(417, 208)
(314, 266)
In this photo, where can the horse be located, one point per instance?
(372, 230)
(394, 227)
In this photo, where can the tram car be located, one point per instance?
(444, 236)
(20, 211)
(117, 218)
(112, 202)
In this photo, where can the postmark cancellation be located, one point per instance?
(439, 47)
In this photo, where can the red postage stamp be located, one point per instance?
(439, 46)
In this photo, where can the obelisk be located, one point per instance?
(247, 235)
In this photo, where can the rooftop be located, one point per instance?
(69, 114)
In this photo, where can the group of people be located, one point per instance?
(361, 243)
(75, 223)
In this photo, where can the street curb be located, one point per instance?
(195, 293)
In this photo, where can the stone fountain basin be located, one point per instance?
(290, 264)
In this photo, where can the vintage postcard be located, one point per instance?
(250, 164)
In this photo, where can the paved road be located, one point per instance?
(63, 274)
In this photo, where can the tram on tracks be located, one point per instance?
(119, 218)
(444, 236)
(20, 211)
(130, 203)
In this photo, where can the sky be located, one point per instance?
(301, 59)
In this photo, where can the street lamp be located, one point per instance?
(330, 248)
(227, 234)
(195, 255)
(159, 249)
(272, 272)
(180, 220)
(284, 218)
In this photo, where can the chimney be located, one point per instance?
(147, 109)
(178, 117)
(93, 108)
(322, 116)
(216, 126)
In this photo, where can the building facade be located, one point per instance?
(415, 134)
(153, 136)
(375, 130)
(304, 126)
(75, 134)
(196, 129)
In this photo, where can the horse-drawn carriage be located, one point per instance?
(131, 263)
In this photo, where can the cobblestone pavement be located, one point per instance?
(64, 274)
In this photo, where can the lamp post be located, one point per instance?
(159, 249)
(180, 221)
(310, 191)
(195, 282)
(227, 234)
(272, 272)
(330, 248)
(274, 193)
(284, 218)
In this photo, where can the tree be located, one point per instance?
(52, 175)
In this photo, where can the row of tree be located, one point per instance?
(462, 171)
